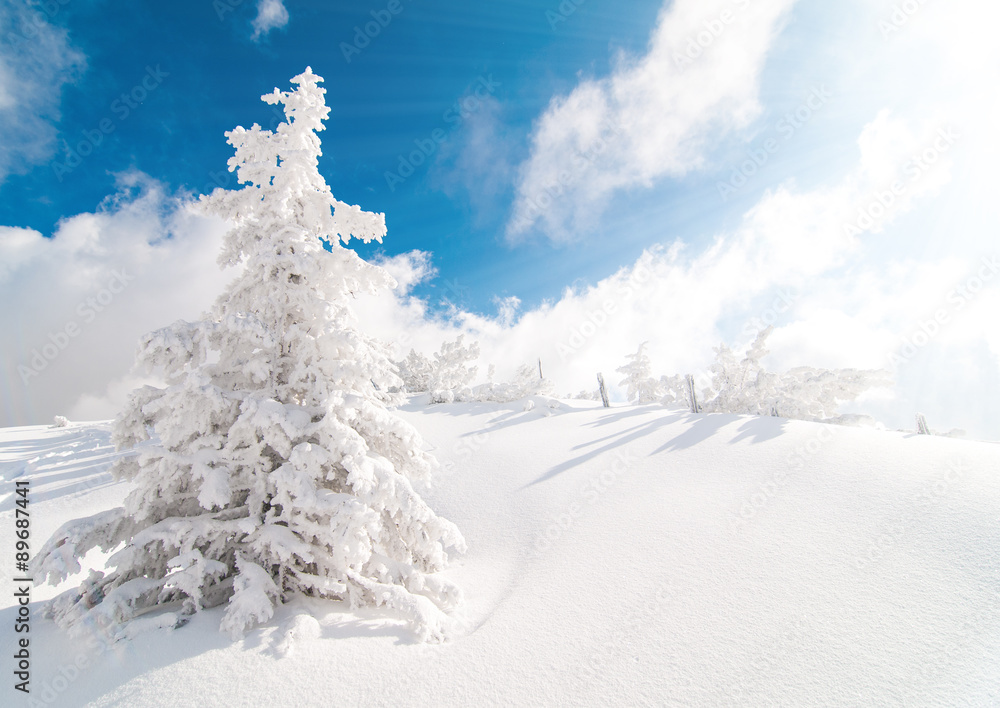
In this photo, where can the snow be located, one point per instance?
(623, 556)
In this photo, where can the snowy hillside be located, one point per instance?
(631, 556)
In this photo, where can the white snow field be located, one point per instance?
(628, 556)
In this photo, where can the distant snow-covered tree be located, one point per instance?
(530, 383)
(742, 385)
(641, 386)
(527, 382)
(676, 392)
(806, 393)
(268, 466)
(415, 371)
(451, 374)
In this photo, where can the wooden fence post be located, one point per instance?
(692, 394)
(604, 391)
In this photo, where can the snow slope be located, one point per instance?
(631, 556)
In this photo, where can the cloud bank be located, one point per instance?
(651, 118)
(80, 300)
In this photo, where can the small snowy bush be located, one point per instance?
(526, 383)
(742, 385)
(803, 393)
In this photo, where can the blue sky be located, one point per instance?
(394, 91)
(726, 148)
(392, 94)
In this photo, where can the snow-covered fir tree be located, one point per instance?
(415, 371)
(451, 374)
(268, 465)
(741, 385)
(641, 386)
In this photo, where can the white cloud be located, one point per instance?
(64, 322)
(507, 308)
(36, 60)
(408, 269)
(476, 160)
(652, 117)
(17, 247)
(837, 310)
(271, 14)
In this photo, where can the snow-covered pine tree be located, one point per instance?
(529, 382)
(451, 373)
(742, 385)
(415, 371)
(268, 465)
(641, 386)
